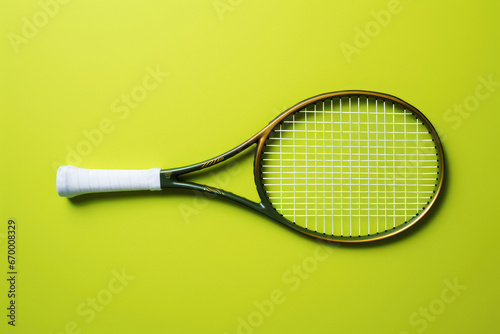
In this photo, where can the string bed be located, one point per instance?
(350, 166)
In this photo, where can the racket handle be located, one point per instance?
(73, 181)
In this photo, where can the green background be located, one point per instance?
(194, 265)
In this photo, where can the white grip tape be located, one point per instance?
(73, 181)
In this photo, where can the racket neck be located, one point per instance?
(174, 183)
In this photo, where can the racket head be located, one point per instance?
(349, 166)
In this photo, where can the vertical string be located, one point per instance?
(378, 158)
(385, 167)
(315, 169)
(294, 164)
(281, 164)
(324, 169)
(307, 164)
(350, 168)
(333, 189)
(359, 169)
(368, 138)
(376, 169)
(394, 164)
(406, 163)
(417, 198)
(341, 171)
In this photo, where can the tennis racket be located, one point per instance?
(347, 166)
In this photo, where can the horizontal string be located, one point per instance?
(388, 215)
(405, 166)
(358, 147)
(356, 191)
(344, 178)
(351, 209)
(347, 160)
(347, 184)
(356, 173)
(348, 131)
(339, 197)
(346, 153)
(354, 123)
(351, 203)
(352, 113)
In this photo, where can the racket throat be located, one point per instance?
(170, 181)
